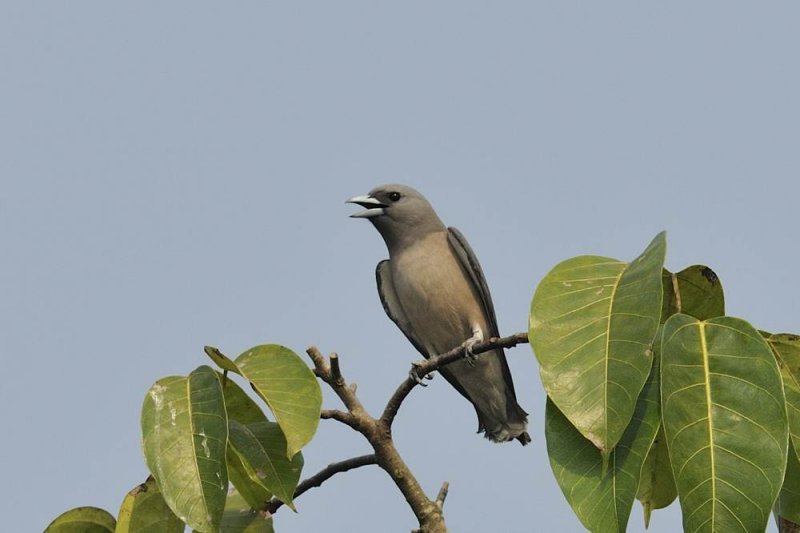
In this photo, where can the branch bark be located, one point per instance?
(340, 416)
(786, 526)
(440, 498)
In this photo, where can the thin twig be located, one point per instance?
(319, 360)
(336, 372)
(423, 368)
(322, 476)
(439, 501)
(323, 370)
(339, 416)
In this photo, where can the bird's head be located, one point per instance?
(398, 212)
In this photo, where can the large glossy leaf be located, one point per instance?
(185, 431)
(788, 504)
(83, 520)
(290, 389)
(246, 482)
(243, 410)
(657, 487)
(602, 497)
(239, 405)
(288, 386)
(246, 521)
(592, 324)
(786, 348)
(240, 518)
(144, 511)
(261, 460)
(695, 291)
(724, 416)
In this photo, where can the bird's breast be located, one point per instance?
(436, 295)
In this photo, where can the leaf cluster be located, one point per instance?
(202, 433)
(653, 393)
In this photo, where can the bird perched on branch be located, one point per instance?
(433, 288)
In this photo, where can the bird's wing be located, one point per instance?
(392, 305)
(469, 262)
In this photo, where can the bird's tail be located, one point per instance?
(487, 384)
(514, 426)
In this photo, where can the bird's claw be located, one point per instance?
(414, 376)
(469, 355)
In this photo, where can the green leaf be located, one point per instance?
(786, 348)
(83, 520)
(144, 511)
(788, 504)
(695, 291)
(243, 478)
(221, 360)
(239, 518)
(239, 405)
(261, 460)
(592, 324)
(185, 431)
(602, 498)
(657, 486)
(289, 387)
(724, 416)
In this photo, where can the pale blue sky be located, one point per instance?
(173, 175)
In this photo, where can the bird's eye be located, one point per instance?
(394, 196)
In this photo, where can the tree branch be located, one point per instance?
(322, 476)
(787, 526)
(436, 362)
(428, 514)
(378, 431)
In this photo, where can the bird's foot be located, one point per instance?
(469, 355)
(413, 374)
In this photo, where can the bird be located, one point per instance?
(432, 287)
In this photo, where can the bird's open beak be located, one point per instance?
(374, 207)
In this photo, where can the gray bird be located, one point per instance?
(433, 288)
